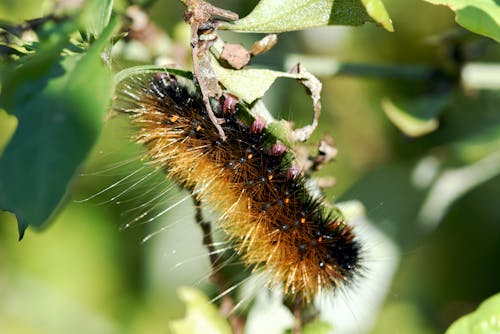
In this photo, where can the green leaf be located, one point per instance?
(249, 84)
(35, 70)
(479, 16)
(273, 16)
(376, 10)
(485, 320)
(201, 315)
(95, 17)
(417, 117)
(60, 105)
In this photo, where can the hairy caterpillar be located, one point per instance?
(250, 179)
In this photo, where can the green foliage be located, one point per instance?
(418, 116)
(60, 104)
(55, 92)
(484, 320)
(8, 124)
(95, 17)
(201, 315)
(479, 16)
(271, 16)
(50, 94)
(250, 84)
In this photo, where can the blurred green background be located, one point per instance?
(87, 274)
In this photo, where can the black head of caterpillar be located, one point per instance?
(265, 206)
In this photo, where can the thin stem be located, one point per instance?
(325, 66)
(217, 277)
(199, 15)
(413, 72)
(297, 313)
(303, 312)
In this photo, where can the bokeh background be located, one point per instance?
(90, 272)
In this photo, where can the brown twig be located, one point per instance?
(303, 313)
(326, 153)
(204, 93)
(217, 277)
(297, 313)
(199, 14)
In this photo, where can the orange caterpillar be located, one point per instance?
(264, 205)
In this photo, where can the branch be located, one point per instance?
(217, 277)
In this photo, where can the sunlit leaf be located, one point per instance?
(273, 16)
(201, 315)
(249, 84)
(376, 10)
(484, 320)
(479, 16)
(416, 117)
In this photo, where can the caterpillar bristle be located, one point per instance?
(250, 179)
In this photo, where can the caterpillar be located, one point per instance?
(250, 179)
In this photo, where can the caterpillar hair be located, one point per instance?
(250, 179)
